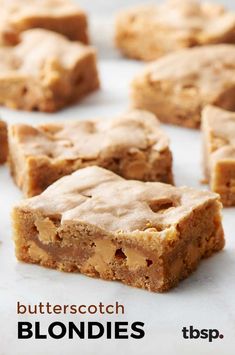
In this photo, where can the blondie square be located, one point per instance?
(218, 128)
(62, 16)
(177, 86)
(3, 142)
(46, 71)
(145, 234)
(148, 32)
(132, 145)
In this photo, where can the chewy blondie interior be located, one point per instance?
(3, 142)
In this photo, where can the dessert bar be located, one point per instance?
(144, 234)
(45, 71)
(148, 32)
(62, 16)
(218, 128)
(132, 145)
(177, 86)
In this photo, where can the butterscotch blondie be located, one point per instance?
(177, 86)
(62, 16)
(46, 71)
(145, 234)
(132, 145)
(148, 32)
(218, 128)
(3, 142)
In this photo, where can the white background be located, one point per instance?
(204, 300)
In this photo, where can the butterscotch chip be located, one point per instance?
(178, 86)
(3, 142)
(46, 76)
(218, 128)
(145, 234)
(62, 16)
(132, 145)
(151, 31)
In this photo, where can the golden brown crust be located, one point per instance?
(133, 145)
(46, 78)
(62, 16)
(218, 128)
(141, 205)
(178, 86)
(148, 235)
(150, 31)
(3, 142)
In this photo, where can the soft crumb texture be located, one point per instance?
(178, 86)
(145, 234)
(218, 128)
(46, 76)
(132, 145)
(62, 16)
(151, 31)
(3, 142)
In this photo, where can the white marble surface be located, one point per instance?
(204, 300)
(110, 7)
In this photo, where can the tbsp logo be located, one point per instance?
(193, 333)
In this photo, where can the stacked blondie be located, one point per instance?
(100, 194)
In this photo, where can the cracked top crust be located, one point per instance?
(219, 126)
(189, 20)
(207, 70)
(108, 202)
(89, 139)
(52, 53)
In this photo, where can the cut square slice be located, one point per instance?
(144, 234)
(132, 145)
(177, 86)
(47, 76)
(62, 16)
(218, 128)
(148, 32)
